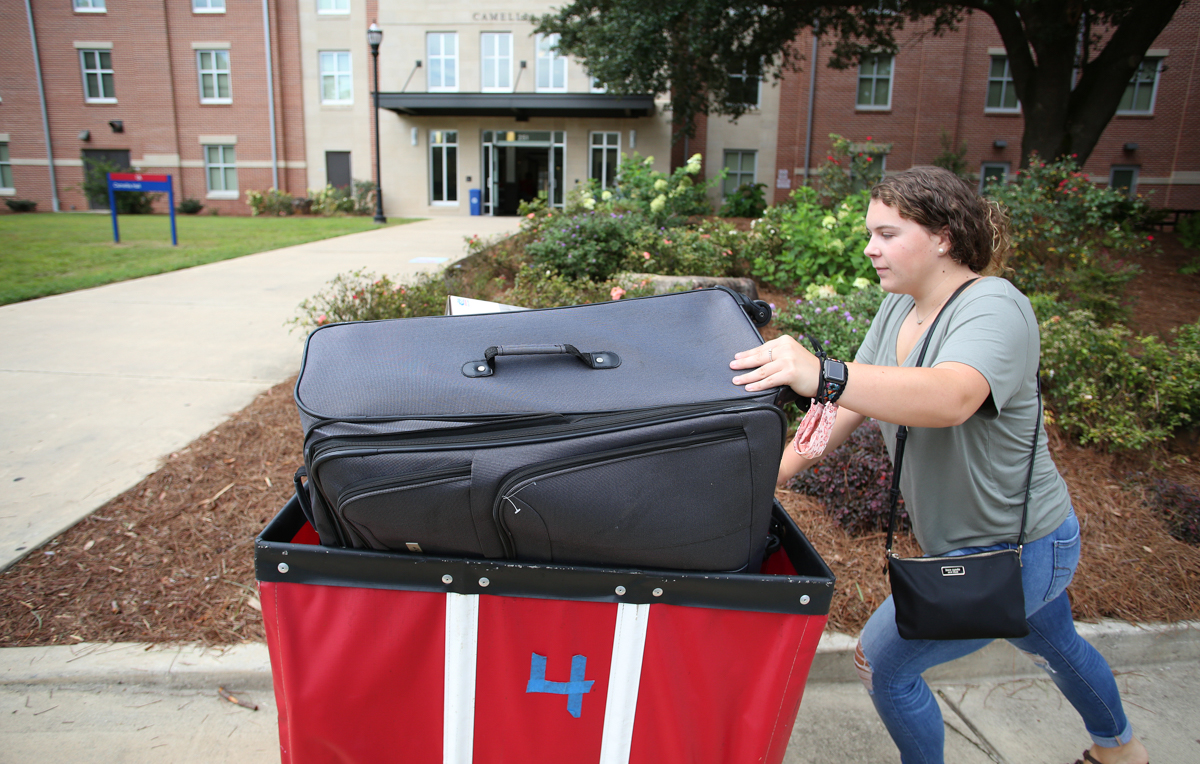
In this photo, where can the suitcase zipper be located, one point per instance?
(518, 480)
(357, 490)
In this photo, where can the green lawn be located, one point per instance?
(46, 254)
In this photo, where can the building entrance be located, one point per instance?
(518, 166)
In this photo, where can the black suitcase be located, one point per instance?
(605, 434)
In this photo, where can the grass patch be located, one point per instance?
(52, 254)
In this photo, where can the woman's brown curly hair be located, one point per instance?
(940, 201)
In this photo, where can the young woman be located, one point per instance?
(971, 408)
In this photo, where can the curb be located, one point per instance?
(248, 666)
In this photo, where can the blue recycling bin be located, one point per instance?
(476, 201)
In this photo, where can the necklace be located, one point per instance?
(934, 308)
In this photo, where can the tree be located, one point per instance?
(690, 49)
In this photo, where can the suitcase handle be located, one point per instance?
(487, 366)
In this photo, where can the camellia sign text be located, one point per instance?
(503, 16)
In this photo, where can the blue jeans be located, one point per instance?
(891, 666)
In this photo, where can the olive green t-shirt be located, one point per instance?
(964, 486)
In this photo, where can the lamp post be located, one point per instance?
(374, 37)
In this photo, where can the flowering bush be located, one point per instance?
(747, 201)
(838, 322)
(270, 202)
(853, 481)
(1110, 388)
(801, 242)
(1069, 235)
(850, 168)
(709, 249)
(362, 296)
(654, 194)
(588, 245)
(538, 288)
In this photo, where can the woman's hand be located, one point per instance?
(782, 361)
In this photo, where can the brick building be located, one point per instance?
(182, 87)
(471, 100)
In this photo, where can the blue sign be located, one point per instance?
(136, 181)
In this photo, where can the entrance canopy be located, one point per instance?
(519, 105)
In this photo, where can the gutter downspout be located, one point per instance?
(37, 64)
(812, 93)
(270, 93)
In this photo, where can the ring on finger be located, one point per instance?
(770, 354)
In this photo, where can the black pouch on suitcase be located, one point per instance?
(606, 434)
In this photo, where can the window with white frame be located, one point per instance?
(98, 76)
(220, 167)
(744, 89)
(992, 174)
(333, 6)
(496, 49)
(443, 166)
(1001, 94)
(596, 85)
(1124, 178)
(875, 82)
(606, 158)
(336, 84)
(6, 180)
(1142, 87)
(89, 6)
(208, 6)
(442, 55)
(213, 66)
(740, 166)
(551, 67)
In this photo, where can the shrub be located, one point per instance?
(1188, 230)
(953, 159)
(362, 296)
(800, 242)
(364, 197)
(589, 245)
(21, 205)
(850, 168)
(710, 249)
(535, 287)
(839, 322)
(747, 201)
(190, 206)
(653, 194)
(853, 482)
(95, 187)
(331, 201)
(1109, 388)
(270, 202)
(1069, 236)
(1179, 506)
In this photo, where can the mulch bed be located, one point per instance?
(171, 559)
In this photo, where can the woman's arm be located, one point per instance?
(943, 396)
(792, 462)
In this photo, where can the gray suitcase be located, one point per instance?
(607, 434)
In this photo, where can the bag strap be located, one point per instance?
(902, 436)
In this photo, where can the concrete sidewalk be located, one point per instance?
(124, 703)
(97, 386)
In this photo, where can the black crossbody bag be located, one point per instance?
(971, 596)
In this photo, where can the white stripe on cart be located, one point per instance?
(624, 678)
(462, 646)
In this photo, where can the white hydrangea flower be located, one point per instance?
(659, 203)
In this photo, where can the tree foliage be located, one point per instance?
(689, 48)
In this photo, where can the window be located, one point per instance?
(875, 82)
(89, 6)
(1140, 92)
(551, 67)
(496, 48)
(606, 158)
(744, 89)
(220, 167)
(333, 6)
(1001, 95)
(98, 76)
(213, 66)
(597, 86)
(992, 173)
(443, 166)
(1124, 178)
(335, 77)
(208, 6)
(739, 166)
(443, 60)
(6, 181)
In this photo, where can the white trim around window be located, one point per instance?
(6, 178)
(876, 75)
(220, 171)
(208, 6)
(1124, 176)
(1142, 89)
(333, 7)
(605, 157)
(96, 67)
(89, 6)
(443, 168)
(1001, 95)
(441, 58)
(551, 74)
(496, 62)
(337, 84)
(990, 170)
(212, 67)
(742, 166)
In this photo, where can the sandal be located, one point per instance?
(1088, 758)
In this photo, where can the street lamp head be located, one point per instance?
(374, 36)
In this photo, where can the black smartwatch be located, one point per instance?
(833, 377)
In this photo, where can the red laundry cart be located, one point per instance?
(381, 657)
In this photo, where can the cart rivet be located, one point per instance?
(657, 592)
(600, 359)
(804, 599)
(447, 579)
(480, 368)
(283, 567)
(484, 582)
(620, 590)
